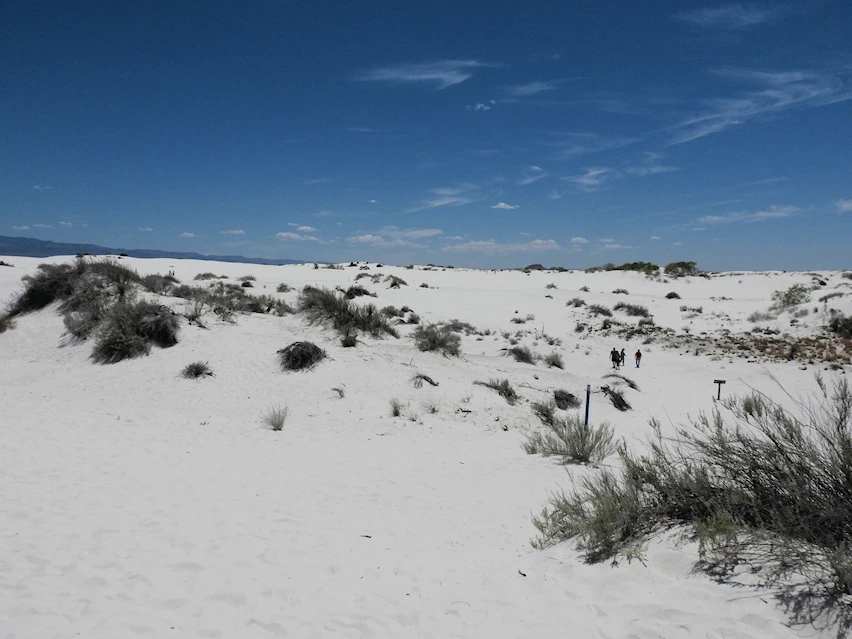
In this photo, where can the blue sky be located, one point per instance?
(470, 133)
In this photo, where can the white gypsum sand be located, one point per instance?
(138, 503)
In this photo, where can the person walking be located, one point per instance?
(622, 357)
(615, 357)
(638, 357)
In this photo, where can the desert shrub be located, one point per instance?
(419, 378)
(395, 282)
(283, 288)
(205, 276)
(6, 323)
(50, 283)
(551, 341)
(554, 360)
(247, 278)
(457, 326)
(521, 354)
(276, 416)
(300, 356)
(585, 289)
(357, 291)
(348, 337)
(413, 318)
(197, 370)
(572, 440)
(187, 292)
(247, 284)
(431, 337)
(616, 397)
(624, 379)
(633, 310)
(646, 321)
(121, 335)
(598, 309)
(424, 285)
(551, 286)
(503, 388)
(565, 400)
(681, 269)
(518, 320)
(766, 492)
(577, 302)
(2, 263)
(672, 296)
(322, 306)
(691, 309)
(391, 311)
(620, 291)
(545, 411)
(841, 325)
(396, 407)
(760, 316)
(847, 276)
(158, 284)
(793, 296)
(829, 296)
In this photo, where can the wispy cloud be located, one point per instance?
(774, 213)
(606, 240)
(145, 229)
(573, 144)
(296, 237)
(655, 237)
(380, 242)
(42, 226)
(464, 193)
(490, 247)
(317, 181)
(531, 175)
(306, 229)
(188, 234)
(233, 232)
(323, 213)
(440, 74)
(21, 228)
(579, 240)
(39, 187)
(733, 16)
(66, 224)
(769, 92)
(677, 243)
(649, 165)
(409, 234)
(592, 180)
(531, 88)
(615, 247)
(844, 206)
(504, 207)
(700, 228)
(482, 106)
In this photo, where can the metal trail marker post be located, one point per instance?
(719, 383)
(588, 397)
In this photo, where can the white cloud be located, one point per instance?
(733, 16)
(441, 74)
(574, 143)
(380, 242)
(592, 180)
(42, 226)
(524, 234)
(234, 232)
(655, 237)
(774, 213)
(296, 237)
(455, 238)
(579, 240)
(649, 166)
(491, 247)
(504, 206)
(38, 187)
(187, 234)
(615, 247)
(531, 88)
(449, 196)
(292, 224)
(307, 229)
(481, 106)
(532, 174)
(768, 92)
(65, 224)
(606, 240)
(145, 229)
(844, 206)
(374, 201)
(677, 243)
(21, 228)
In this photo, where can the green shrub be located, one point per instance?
(573, 441)
(681, 269)
(793, 296)
(433, 338)
(50, 283)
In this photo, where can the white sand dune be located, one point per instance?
(137, 503)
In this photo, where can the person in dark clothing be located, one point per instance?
(616, 358)
(621, 357)
(638, 357)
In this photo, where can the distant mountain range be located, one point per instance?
(31, 247)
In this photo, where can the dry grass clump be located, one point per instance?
(283, 288)
(521, 354)
(300, 356)
(839, 325)
(503, 388)
(633, 310)
(761, 316)
(396, 407)
(395, 282)
(616, 397)
(765, 491)
(624, 379)
(197, 370)
(247, 278)
(672, 296)
(6, 323)
(571, 440)
(357, 291)
(598, 309)
(276, 416)
(621, 291)
(692, 309)
(565, 400)
(434, 338)
(205, 276)
(130, 328)
(576, 302)
(419, 378)
(554, 360)
(323, 306)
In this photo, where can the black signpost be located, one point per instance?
(719, 383)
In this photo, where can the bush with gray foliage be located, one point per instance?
(571, 440)
(300, 356)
